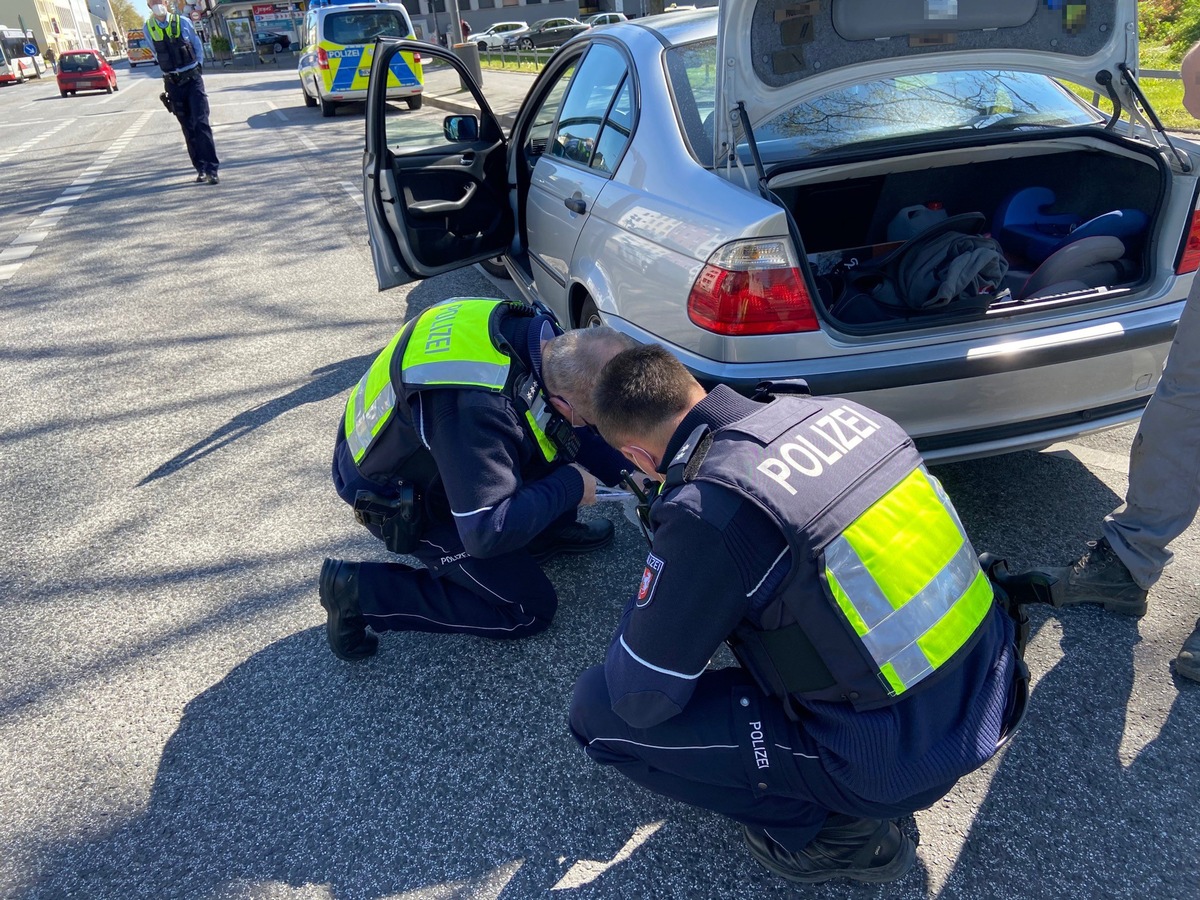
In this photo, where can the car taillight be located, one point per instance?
(322, 58)
(752, 287)
(1189, 259)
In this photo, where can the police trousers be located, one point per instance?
(190, 102)
(501, 597)
(1164, 461)
(732, 751)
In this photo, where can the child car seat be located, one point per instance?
(1023, 228)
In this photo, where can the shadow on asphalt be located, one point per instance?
(330, 381)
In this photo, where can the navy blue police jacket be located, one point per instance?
(492, 480)
(690, 601)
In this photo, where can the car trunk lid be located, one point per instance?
(771, 56)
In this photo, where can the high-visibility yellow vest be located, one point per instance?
(453, 344)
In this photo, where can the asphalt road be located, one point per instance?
(174, 361)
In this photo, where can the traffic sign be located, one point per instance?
(30, 49)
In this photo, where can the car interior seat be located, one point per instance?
(1086, 263)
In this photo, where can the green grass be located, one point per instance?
(1165, 94)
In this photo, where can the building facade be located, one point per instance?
(61, 24)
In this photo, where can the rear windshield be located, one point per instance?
(906, 106)
(79, 62)
(364, 27)
(137, 44)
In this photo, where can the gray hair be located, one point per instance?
(571, 363)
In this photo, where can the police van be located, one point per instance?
(339, 42)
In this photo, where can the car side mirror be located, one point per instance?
(460, 128)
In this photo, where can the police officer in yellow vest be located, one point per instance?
(466, 446)
(876, 667)
(180, 56)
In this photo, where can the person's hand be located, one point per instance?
(589, 485)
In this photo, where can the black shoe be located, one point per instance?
(1187, 663)
(1099, 576)
(345, 628)
(213, 179)
(578, 537)
(859, 849)
(200, 178)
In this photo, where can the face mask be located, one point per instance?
(159, 10)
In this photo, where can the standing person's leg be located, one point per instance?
(181, 102)
(734, 752)
(1164, 461)
(202, 136)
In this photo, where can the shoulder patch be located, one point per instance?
(654, 567)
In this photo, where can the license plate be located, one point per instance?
(364, 73)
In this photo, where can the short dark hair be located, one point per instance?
(639, 391)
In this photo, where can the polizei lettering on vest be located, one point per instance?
(439, 330)
(759, 745)
(821, 444)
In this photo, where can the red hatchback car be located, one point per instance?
(85, 70)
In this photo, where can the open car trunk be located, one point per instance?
(1085, 240)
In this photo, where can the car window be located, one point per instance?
(79, 62)
(692, 70)
(919, 105)
(587, 102)
(364, 27)
(542, 122)
(617, 127)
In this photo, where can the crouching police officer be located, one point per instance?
(458, 447)
(876, 667)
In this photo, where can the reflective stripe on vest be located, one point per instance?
(451, 344)
(538, 418)
(906, 577)
(372, 402)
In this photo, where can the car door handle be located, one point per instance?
(576, 205)
(443, 207)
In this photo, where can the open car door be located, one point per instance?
(435, 188)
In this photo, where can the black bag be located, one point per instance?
(950, 268)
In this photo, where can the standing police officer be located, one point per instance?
(876, 667)
(178, 51)
(457, 447)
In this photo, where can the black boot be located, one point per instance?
(578, 537)
(345, 628)
(859, 849)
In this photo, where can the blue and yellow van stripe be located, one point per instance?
(350, 68)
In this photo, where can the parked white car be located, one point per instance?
(493, 38)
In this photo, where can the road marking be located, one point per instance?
(354, 192)
(309, 145)
(24, 244)
(1093, 459)
(279, 112)
(6, 155)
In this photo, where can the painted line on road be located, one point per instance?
(24, 244)
(354, 192)
(279, 112)
(1093, 459)
(309, 145)
(6, 155)
(25, 123)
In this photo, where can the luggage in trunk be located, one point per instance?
(1077, 242)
